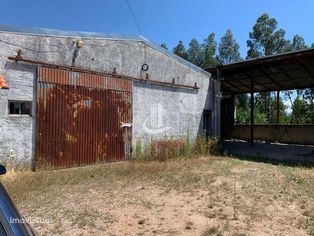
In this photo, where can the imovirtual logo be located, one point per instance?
(155, 123)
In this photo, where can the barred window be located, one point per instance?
(20, 108)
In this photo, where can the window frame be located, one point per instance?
(20, 102)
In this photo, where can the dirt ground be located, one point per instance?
(204, 196)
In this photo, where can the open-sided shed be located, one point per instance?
(286, 71)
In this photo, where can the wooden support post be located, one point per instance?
(278, 108)
(252, 114)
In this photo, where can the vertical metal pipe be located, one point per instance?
(34, 119)
(252, 114)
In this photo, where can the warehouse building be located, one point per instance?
(76, 98)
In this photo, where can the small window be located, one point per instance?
(20, 108)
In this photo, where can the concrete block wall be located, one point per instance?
(294, 134)
(16, 130)
(158, 111)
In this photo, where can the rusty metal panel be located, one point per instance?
(79, 117)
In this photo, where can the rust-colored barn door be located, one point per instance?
(81, 118)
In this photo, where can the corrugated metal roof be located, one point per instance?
(285, 71)
(82, 34)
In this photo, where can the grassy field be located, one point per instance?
(203, 196)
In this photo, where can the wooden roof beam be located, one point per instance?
(305, 66)
(232, 86)
(288, 76)
(270, 78)
(240, 82)
(256, 81)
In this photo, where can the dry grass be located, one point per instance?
(167, 149)
(203, 196)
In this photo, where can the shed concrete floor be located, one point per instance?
(270, 151)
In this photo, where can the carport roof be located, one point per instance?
(293, 70)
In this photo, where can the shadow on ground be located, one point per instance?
(274, 153)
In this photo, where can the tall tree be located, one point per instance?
(242, 109)
(266, 39)
(228, 50)
(163, 45)
(195, 53)
(180, 51)
(289, 94)
(264, 102)
(210, 47)
(309, 98)
(298, 111)
(298, 42)
(283, 118)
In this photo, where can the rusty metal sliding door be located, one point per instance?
(79, 118)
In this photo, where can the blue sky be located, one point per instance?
(164, 20)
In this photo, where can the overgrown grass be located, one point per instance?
(11, 162)
(227, 191)
(177, 149)
(172, 173)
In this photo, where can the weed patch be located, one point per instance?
(163, 150)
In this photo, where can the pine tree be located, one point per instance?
(210, 47)
(228, 49)
(195, 53)
(298, 42)
(163, 45)
(180, 51)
